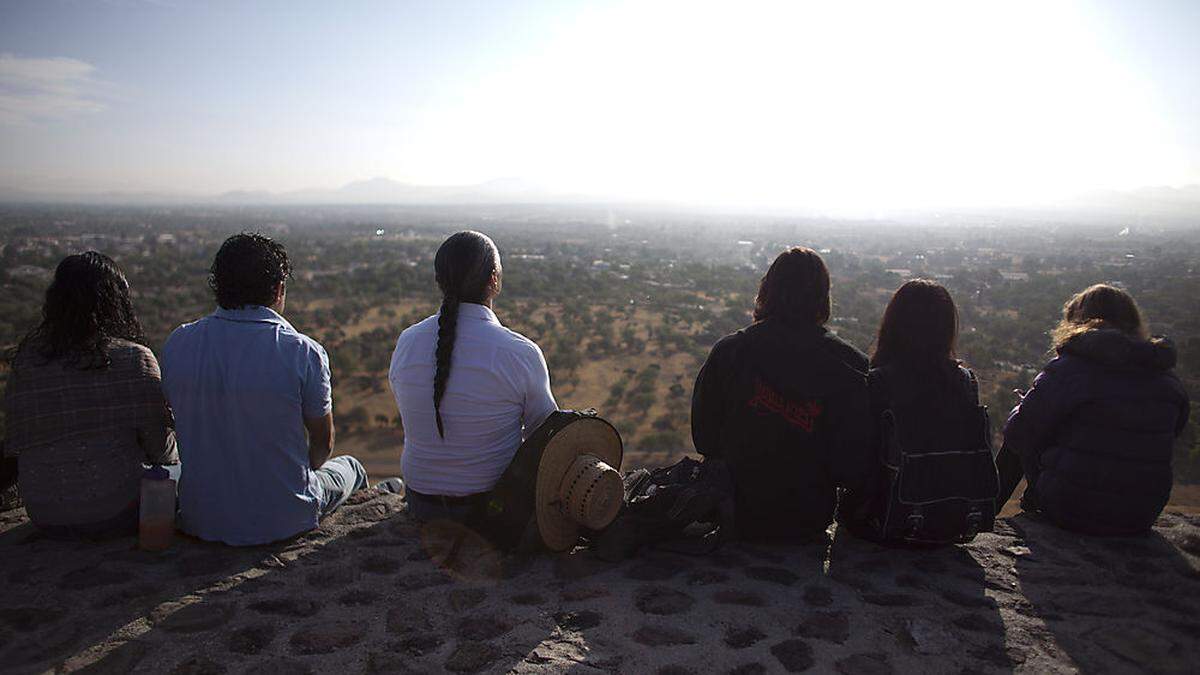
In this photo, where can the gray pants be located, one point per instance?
(339, 477)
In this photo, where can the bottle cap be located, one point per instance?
(157, 472)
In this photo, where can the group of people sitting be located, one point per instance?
(241, 412)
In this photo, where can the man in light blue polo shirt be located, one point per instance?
(253, 409)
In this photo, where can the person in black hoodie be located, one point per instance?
(1095, 431)
(783, 402)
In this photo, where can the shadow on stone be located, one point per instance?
(1141, 602)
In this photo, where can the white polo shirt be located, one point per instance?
(498, 393)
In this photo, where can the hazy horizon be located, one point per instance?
(772, 105)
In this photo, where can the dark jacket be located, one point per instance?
(786, 407)
(936, 408)
(1095, 432)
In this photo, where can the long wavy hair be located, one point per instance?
(1095, 307)
(86, 306)
(919, 326)
(465, 267)
(795, 289)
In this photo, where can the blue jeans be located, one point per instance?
(338, 478)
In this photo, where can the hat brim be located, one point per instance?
(591, 436)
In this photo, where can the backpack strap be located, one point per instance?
(972, 382)
(888, 442)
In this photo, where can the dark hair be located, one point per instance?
(795, 289)
(1099, 306)
(86, 305)
(464, 266)
(248, 270)
(919, 326)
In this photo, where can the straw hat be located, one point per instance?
(578, 484)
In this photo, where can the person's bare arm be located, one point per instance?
(320, 439)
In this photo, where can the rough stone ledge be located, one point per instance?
(370, 591)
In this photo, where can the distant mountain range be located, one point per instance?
(372, 191)
(1170, 205)
(388, 191)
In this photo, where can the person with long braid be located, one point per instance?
(468, 389)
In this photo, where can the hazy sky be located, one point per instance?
(823, 103)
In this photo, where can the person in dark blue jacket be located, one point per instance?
(1096, 430)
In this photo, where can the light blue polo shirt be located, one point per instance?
(241, 382)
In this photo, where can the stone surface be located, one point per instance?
(931, 637)
(578, 621)
(818, 596)
(864, 664)
(527, 599)
(358, 597)
(194, 617)
(661, 636)
(25, 619)
(776, 575)
(829, 626)
(734, 596)
(662, 601)
(472, 657)
(740, 638)
(326, 637)
(361, 594)
(252, 638)
(653, 570)
(379, 563)
(288, 606)
(199, 665)
(484, 626)
(891, 599)
(278, 666)
(466, 598)
(794, 655)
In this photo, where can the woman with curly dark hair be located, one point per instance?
(84, 405)
(1095, 432)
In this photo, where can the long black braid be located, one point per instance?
(464, 267)
(447, 324)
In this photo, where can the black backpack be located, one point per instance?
(684, 508)
(933, 495)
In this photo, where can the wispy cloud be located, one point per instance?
(33, 89)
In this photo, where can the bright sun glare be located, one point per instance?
(893, 104)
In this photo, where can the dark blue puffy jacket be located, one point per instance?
(1095, 433)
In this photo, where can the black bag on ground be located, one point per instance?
(939, 481)
(685, 508)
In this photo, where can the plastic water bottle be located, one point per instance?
(156, 513)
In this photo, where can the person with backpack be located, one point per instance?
(783, 404)
(1095, 432)
(935, 479)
